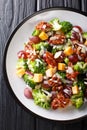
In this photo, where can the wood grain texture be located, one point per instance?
(57, 3)
(12, 116)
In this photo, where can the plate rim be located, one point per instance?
(5, 55)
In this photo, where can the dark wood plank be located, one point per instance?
(12, 116)
(84, 5)
(76, 4)
(57, 3)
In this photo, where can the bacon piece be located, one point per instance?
(72, 76)
(49, 58)
(55, 83)
(44, 26)
(57, 39)
(31, 54)
(60, 101)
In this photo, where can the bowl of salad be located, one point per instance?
(45, 64)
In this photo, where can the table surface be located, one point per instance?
(12, 116)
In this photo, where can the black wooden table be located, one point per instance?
(12, 116)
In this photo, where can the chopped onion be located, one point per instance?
(46, 92)
(76, 29)
(69, 70)
(53, 38)
(57, 54)
(83, 46)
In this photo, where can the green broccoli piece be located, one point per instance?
(57, 48)
(41, 99)
(37, 66)
(84, 35)
(85, 67)
(41, 46)
(66, 60)
(78, 102)
(68, 35)
(78, 99)
(80, 84)
(79, 66)
(36, 32)
(28, 80)
(21, 63)
(62, 74)
(66, 26)
(55, 24)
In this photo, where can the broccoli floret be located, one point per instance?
(62, 74)
(84, 35)
(57, 48)
(66, 60)
(28, 80)
(21, 63)
(36, 32)
(41, 99)
(37, 66)
(80, 84)
(41, 46)
(68, 35)
(55, 24)
(66, 26)
(81, 67)
(78, 99)
(78, 102)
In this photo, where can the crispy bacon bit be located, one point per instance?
(44, 26)
(60, 58)
(67, 91)
(72, 76)
(30, 52)
(86, 60)
(55, 83)
(57, 39)
(46, 85)
(49, 58)
(60, 101)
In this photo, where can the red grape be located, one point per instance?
(35, 39)
(22, 54)
(73, 58)
(78, 27)
(27, 93)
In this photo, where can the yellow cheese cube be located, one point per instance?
(68, 51)
(75, 89)
(43, 36)
(61, 66)
(38, 78)
(85, 43)
(50, 72)
(20, 72)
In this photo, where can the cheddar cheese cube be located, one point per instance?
(20, 72)
(50, 72)
(43, 36)
(61, 66)
(38, 77)
(68, 51)
(75, 89)
(85, 43)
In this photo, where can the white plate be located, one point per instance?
(15, 43)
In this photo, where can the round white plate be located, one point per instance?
(15, 43)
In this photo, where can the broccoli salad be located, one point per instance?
(53, 64)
